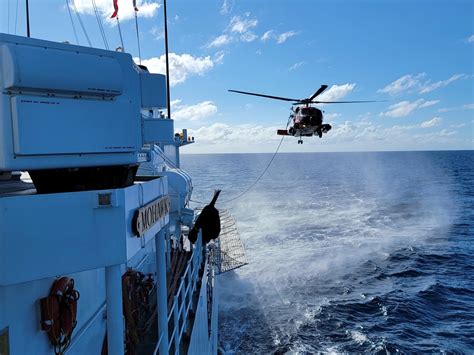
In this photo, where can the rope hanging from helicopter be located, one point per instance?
(242, 193)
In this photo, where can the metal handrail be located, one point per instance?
(182, 300)
(157, 347)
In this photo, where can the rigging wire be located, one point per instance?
(169, 161)
(120, 33)
(81, 23)
(72, 22)
(99, 22)
(16, 15)
(138, 37)
(254, 183)
(8, 17)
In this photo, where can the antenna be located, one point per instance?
(135, 8)
(168, 102)
(27, 19)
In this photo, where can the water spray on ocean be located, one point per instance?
(334, 252)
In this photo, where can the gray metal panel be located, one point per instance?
(54, 70)
(153, 90)
(44, 125)
(158, 130)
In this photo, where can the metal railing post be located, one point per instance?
(161, 294)
(184, 302)
(113, 285)
(176, 324)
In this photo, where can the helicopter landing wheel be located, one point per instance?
(300, 141)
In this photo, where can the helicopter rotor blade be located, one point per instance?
(340, 102)
(317, 93)
(267, 96)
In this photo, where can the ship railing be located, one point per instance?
(183, 298)
(158, 345)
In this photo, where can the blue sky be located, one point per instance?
(416, 55)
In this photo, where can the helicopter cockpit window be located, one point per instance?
(305, 111)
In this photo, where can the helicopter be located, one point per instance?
(306, 120)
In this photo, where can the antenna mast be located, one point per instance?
(27, 18)
(168, 102)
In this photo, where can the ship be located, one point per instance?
(95, 210)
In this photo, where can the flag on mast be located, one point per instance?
(115, 8)
(135, 5)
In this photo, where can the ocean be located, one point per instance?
(348, 252)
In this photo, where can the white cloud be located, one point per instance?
(435, 121)
(248, 37)
(219, 57)
(404, 108)
(157, 33)
(346, 136)
(267, 35)
(226, 6)
(411, 82)
(336, 92)
(366, 135)
(175, 103)
(429, 103)
(220, 41)
(330, 117)
(181, 66)
(192, 112)
(404, 83)
(277, 37)
(242, 24)
(126, 11)
(239, 29)
(439, 84)
(245, 134)
(296, 66)
(282, 37)
(446, 133)
(470, 39)
(462, 107)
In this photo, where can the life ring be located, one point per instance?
(59, 313)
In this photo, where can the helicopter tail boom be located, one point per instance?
(282, 132)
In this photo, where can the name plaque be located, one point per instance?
(147, 216)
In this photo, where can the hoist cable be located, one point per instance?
(254, 183)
